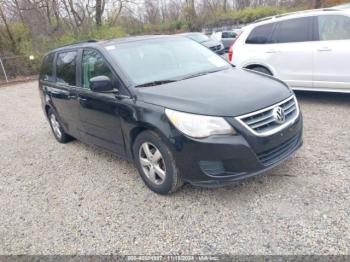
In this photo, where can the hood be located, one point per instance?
(211, 43)
(230, 92)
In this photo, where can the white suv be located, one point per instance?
(309, 50)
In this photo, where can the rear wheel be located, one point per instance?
(261, 69)
(57, 129)
(156, 164)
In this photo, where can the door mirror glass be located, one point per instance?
(101, 84)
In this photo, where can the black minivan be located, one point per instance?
(180, 112)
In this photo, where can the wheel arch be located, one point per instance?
(263, 65)
(47, 108)
(137, 130)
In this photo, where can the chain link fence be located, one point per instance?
(19, 68)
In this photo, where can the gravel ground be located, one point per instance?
(76, 199)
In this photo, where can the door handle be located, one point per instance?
(324, 49)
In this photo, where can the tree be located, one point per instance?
(8, 30)
(100, 5)
(190, 14)
(317, 4)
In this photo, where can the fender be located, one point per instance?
(261, 63)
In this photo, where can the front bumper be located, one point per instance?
(221, 160)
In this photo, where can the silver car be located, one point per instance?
(227, 38)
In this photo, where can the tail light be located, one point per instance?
(230, 51)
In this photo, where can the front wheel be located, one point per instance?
(156, 164)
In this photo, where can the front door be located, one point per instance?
(99, 112)
(63, 91)
(332, 52)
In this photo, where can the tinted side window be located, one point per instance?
(46, 73)
(293, 30)
(93, 65)
(333, 27)
(261, 34)
(66, 68)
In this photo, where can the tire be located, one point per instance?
(261, 69)
(165, 177)
(56, 127)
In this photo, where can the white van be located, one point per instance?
(309, 50)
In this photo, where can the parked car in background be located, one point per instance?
(213, 45)
(309, 50)
(177, 110)
(227, 38)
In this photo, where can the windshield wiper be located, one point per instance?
(166, 81)
(157, 83)
(203, 73)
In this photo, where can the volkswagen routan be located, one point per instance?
(174, 108)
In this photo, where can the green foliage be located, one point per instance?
(25, 44)
(21, 37)
(167, 27)
(250, 14)
(17, 57)
(104, 32)
(243, 16)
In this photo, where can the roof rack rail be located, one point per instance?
(295, 13)
(80, 42)
(264, 19)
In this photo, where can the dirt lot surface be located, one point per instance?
(74, 198)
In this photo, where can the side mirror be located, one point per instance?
(101, 84)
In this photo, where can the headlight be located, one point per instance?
(199, 126)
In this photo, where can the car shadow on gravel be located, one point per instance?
(253, 185)
(257, 185)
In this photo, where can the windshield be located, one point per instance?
(160, 60)
(200, 38)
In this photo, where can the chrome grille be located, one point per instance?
(264, 122)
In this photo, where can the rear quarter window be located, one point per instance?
(261, 34)
(46, 73)
(293, 31)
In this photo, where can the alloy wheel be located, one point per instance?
(152, 163)
(55, 126)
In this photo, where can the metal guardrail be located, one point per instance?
(213, 29)
(3, 70)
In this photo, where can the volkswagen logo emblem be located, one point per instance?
(278, 115)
